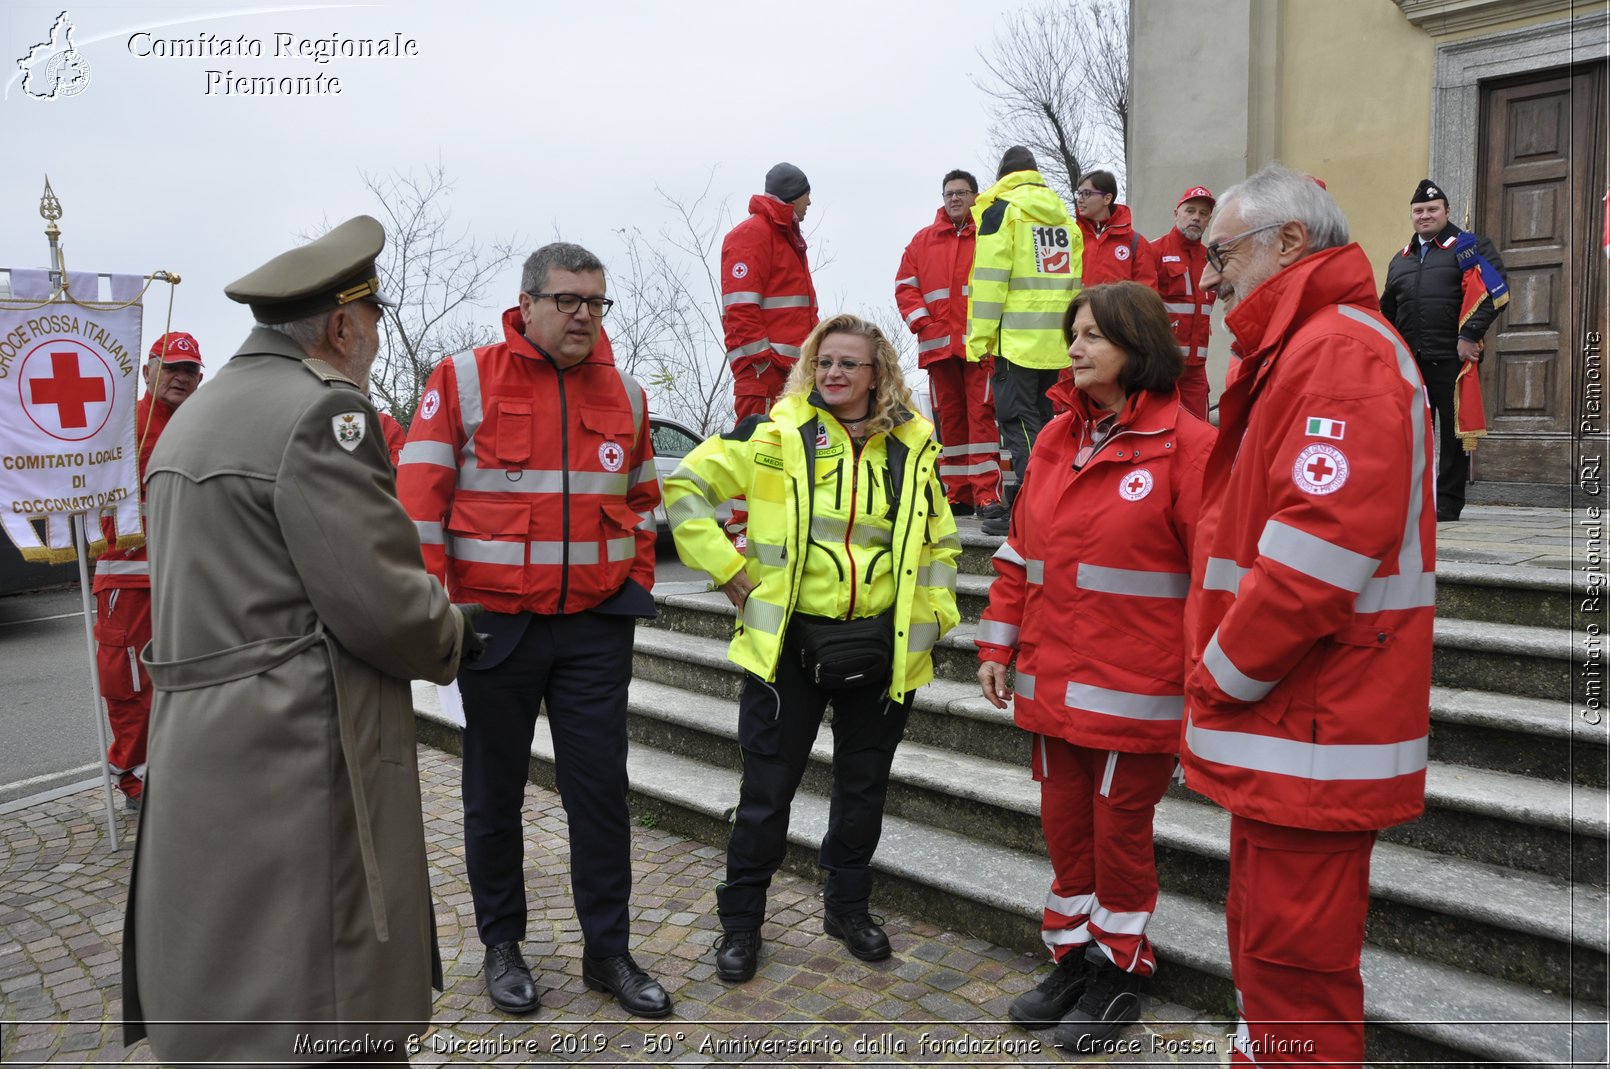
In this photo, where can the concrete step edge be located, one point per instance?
(1558, 805)
(1419, 997)
(1504, 898)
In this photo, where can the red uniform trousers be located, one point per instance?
(1096, 811)
(1296, 924)
(1193, 387)
(964, 408)
(753, 394)
(122, 628)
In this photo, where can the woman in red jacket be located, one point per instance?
(1089, 597)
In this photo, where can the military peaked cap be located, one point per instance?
(322, 275)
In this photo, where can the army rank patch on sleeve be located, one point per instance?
(349, 429)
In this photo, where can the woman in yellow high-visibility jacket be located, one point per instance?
(850, 557)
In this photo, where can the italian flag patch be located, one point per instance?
(1325, 428)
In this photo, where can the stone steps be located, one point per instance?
(1418, 1007)
(1518, 926)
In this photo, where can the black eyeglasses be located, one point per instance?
(1082, 194)
(957, 194)
(569, 302)
(1215, 251)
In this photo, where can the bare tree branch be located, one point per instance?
(436, 275)
(667, 326)
(1058, 79)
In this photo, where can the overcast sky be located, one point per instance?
(549, 118)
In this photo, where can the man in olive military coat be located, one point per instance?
(279, 884)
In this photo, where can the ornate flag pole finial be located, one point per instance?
(50, 211)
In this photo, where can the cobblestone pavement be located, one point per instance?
(941, 999)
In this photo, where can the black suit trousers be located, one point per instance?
(1453, 463)
(578, 666)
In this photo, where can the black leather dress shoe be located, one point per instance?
(638, 993)
(508, 980)
(737, 954)
(860, 933)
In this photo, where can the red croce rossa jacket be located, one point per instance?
(768, 302)
(123, 568)
(931, 287)
(1117, 252)
(1179, 263)
(1091, 581)
(1310, 615)
(533, 489)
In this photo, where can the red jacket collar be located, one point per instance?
(514, 337)
(1144, 411)
(943, 224)
(1117, 223)
(779, 213)
(1271, 312)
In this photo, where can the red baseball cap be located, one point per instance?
(176, 347)
(1196, 193)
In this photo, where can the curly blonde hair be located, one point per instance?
(891, 397)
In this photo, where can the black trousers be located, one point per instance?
(1453, 463)
(1021, 408)
(579, 666)
(777, 724)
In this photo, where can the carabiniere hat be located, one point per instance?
(322, 275)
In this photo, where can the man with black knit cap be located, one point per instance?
(768, 302)
(1443, 290)
(1026, 270)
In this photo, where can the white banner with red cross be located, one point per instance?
(69, 370)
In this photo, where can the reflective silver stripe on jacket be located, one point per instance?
(996, 633)
(1034, 571)
(430, 532)
(786, 350)
(1234, 682)
(982, 467)
(688, 507)
(1315, 557)
(1124, 703)
(1024, 686)
(914, 315)
(1223, 574)
(1413, 586)
(763, 615)
(793, 300)
(123, 567)
(1179, 309)
(467, 374)
(486, 551)
(1043, 282)
(992, 274)
(532, 481)
(988, 310)
(643, 474)
(923, 637)
(933, 343)
(1008, 554)
(942, 293)
(828, 529)
(938, 575)
(441, 454)
(771, 556)
(749, 350)
(1132, 581)
(1307, 760)
(619, 549)
(1031, 321)
(910, 280)
(739, 297)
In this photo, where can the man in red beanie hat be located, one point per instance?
(1180, 259)
(123, 576)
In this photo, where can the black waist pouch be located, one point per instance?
(841, 654)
